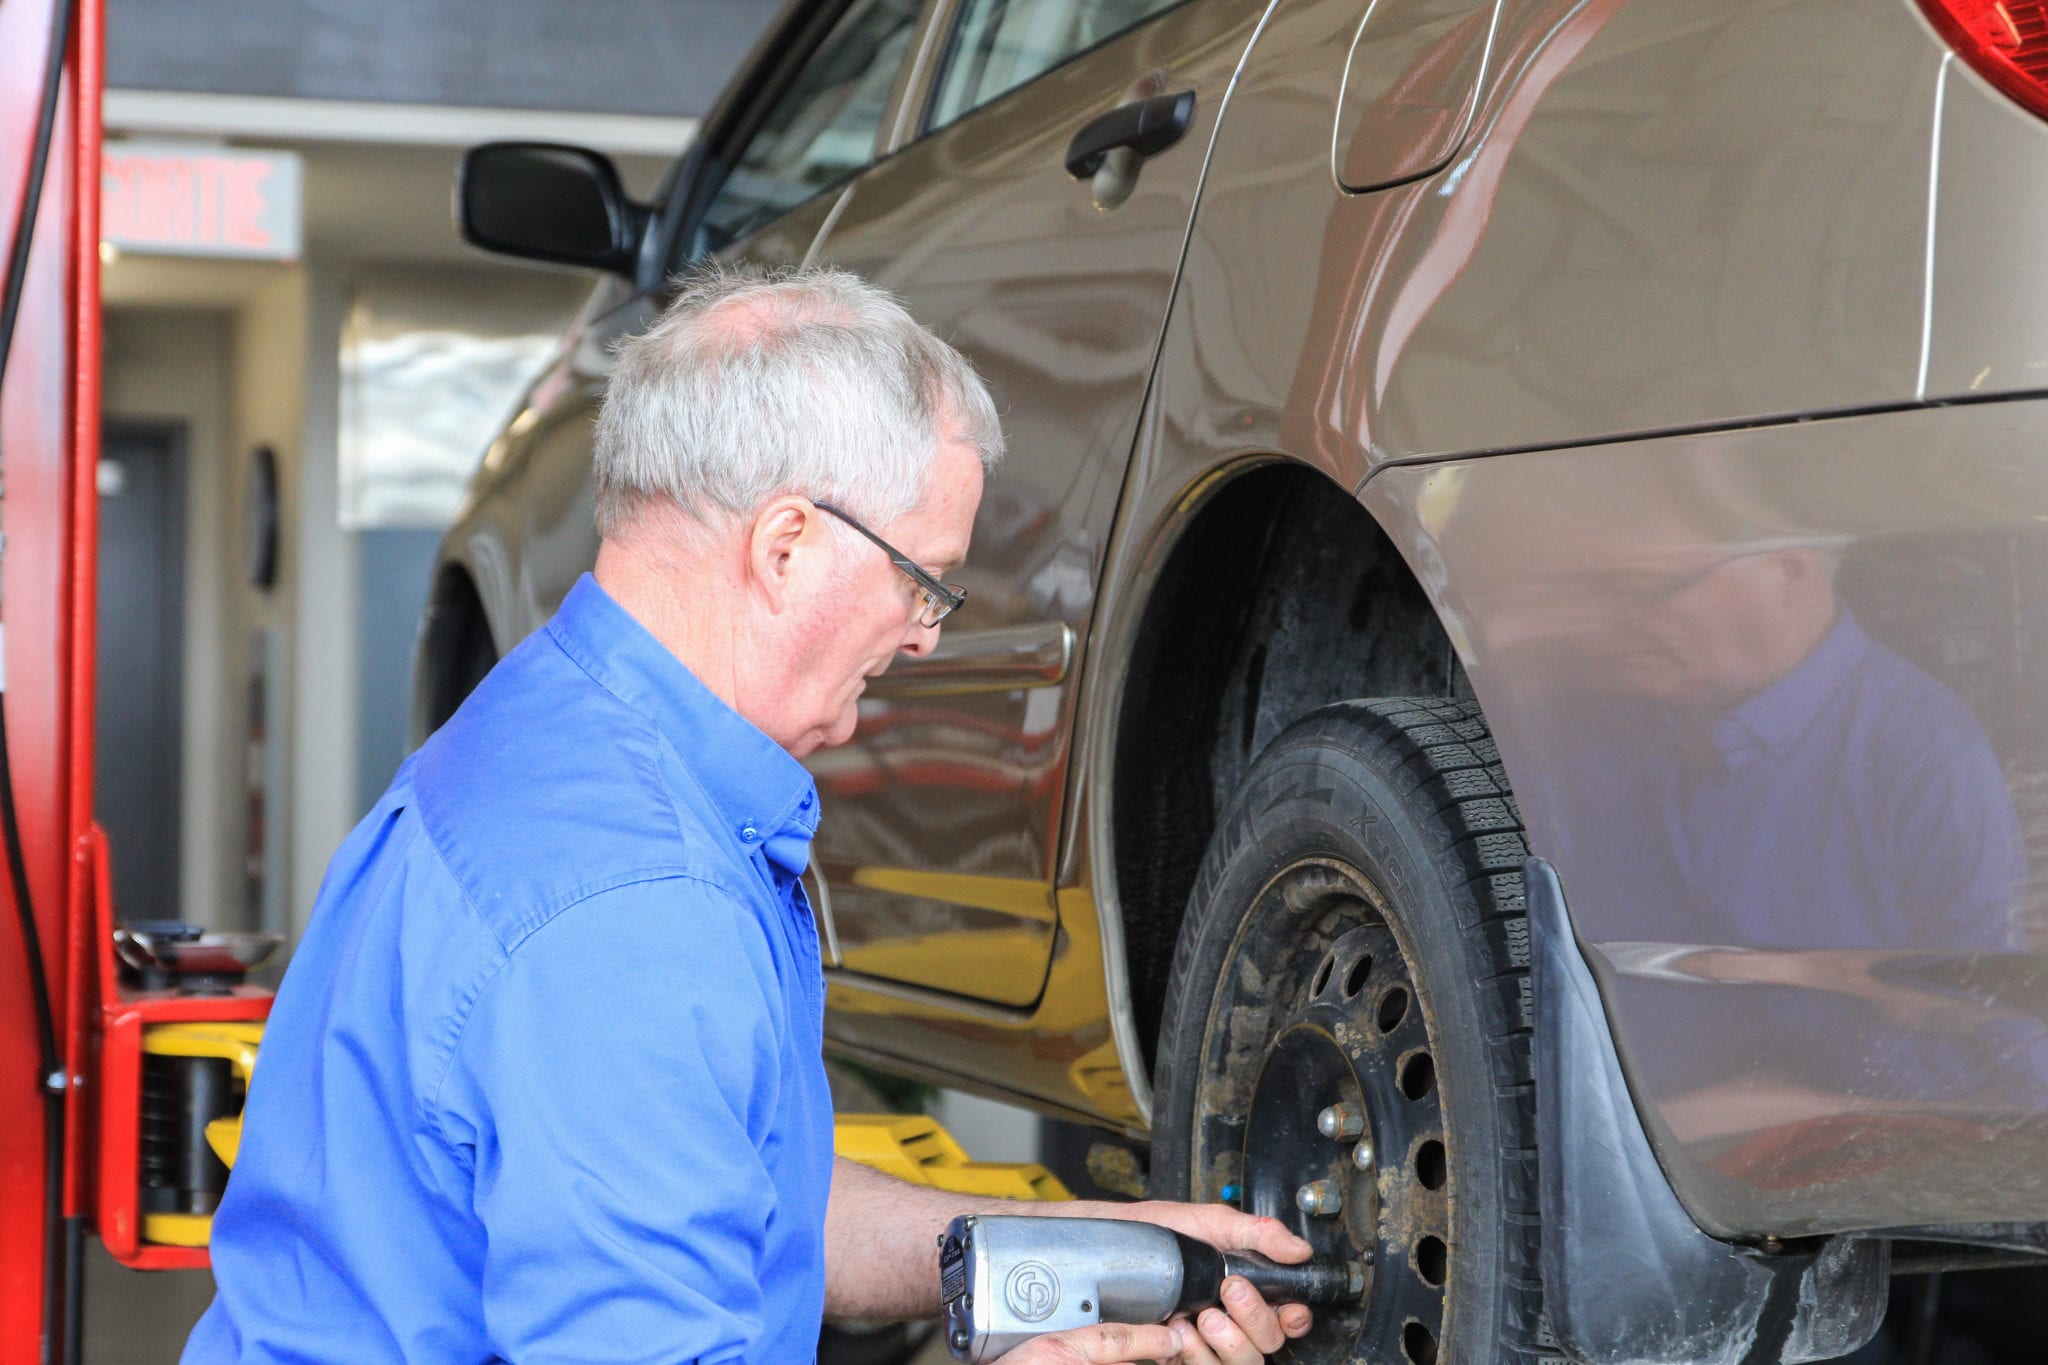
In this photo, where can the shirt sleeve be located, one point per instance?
(612, 1088)
(1960, 862)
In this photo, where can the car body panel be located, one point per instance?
(946, 804)
(1262, 363)
(1411, 84)
(1813, 1033)
(1666, 214)
(1987, 327)
(1321, 388)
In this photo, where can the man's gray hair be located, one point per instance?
(754, 383)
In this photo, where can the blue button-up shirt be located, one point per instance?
(544, 1080)
(1853, 804)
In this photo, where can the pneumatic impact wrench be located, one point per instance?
(1007, 1278)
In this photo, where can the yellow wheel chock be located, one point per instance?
(915, 1148)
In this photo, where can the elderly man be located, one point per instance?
(544, 1081)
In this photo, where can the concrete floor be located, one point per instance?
(135, 1317)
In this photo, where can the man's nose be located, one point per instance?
(921, 640)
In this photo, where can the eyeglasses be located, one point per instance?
(1648, 597)
(936, 600)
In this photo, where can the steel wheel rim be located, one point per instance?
(1350, 1025)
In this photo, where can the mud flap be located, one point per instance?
(1628, 1277)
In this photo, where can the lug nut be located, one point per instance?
(1340, 1121)
(1354, 1279)
(1320, 1198)
(1361, 1155)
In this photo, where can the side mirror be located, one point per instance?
(546, 202)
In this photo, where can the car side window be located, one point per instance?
(821, 129)
(998, 45)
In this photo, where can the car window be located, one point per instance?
(822, 128)
(998, 45)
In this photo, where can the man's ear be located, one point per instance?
(785, 549)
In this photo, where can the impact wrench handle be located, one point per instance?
(1005, 1279)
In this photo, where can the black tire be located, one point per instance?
(1371, 857)
(459, 651)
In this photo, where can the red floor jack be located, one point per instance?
(124, 1050)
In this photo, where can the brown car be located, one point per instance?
(1442, 431)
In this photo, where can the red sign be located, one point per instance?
(200, 201)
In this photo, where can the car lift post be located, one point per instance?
(49, 447)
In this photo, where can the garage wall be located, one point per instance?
(235, 376)
(320, 598)
(166, 365)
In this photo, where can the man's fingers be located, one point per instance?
(1296, 1319)
(1233, 1231)
(1193, 1350)
(1217, 1224)
(1251, 1315)
(1226, 1338)
(1117, 1343)
(1271, 1239)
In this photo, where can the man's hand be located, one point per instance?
(880, 1263)
(1246, 1329)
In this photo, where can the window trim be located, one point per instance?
(790, 42)
(929, 97)
(920, 74)
(762, 69)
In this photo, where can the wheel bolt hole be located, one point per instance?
(1393, 1009)
(1418, 1076)
(1430, 1167)
(1322, 976)
(1418, 1343)
(1354, 980)
(1432, 1260)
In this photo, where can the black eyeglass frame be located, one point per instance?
(945, 598)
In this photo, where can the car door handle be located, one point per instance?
(1147, 127)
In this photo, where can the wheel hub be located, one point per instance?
(1356, 1054)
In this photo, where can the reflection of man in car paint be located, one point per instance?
(1870, 785)
(1811, 797)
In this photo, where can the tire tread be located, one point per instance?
(1445, 765)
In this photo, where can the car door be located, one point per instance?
(940, 842)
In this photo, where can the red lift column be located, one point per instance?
(49, 451)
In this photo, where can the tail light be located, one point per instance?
(2006, 41)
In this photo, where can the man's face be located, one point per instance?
(1715, 632)
(867, 611)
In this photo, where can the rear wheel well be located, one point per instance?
(1281, 596)
(456, 648)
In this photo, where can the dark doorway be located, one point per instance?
(138, 751)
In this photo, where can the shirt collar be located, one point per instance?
(764, 796)
(1777, 716)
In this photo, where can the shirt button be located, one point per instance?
(749, 834)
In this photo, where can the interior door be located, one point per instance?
(137, 737)
(943, 812)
